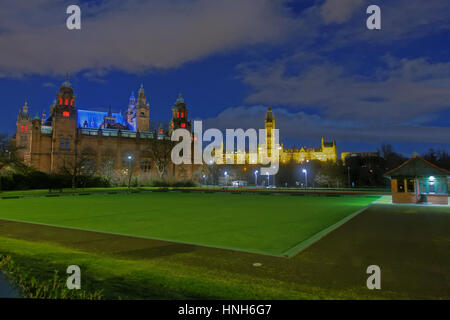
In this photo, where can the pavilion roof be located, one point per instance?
(416, 166)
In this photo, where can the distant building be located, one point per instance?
(326, 152)
(419, 181)
(345, 155)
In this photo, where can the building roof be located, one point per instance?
(416, 166)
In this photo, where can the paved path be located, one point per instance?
(6, 290)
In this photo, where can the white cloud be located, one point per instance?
(403, 91)
(132, 35)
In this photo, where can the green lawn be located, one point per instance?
(268, 224)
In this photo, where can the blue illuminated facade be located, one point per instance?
(96, 119)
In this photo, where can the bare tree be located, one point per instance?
(81, 163)
(159, 151)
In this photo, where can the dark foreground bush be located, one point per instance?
(185, 183)
(41, 180)
(31, 287)
(176, 184)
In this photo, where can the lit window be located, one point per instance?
(26, 128)
(71, 102)
(182, 114)
(171, 125)
(22, 128)
(183, 125)
(66, 114)
(178, 114)
(66, 102)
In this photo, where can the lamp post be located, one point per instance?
(306, 178)
(204, 181)
(226, 178)
(256, 177)
(268, 180)
(130, 173)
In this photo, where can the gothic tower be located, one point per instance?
(64, 126)
(23, 133)
(269, 125)
(179, 115)
(142, 112)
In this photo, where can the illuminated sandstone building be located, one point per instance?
(103, 141)
(326, 152)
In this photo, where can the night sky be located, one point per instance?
(323, 72)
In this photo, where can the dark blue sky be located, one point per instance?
(315, 62)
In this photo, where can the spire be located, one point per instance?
(66, 83)
(269, 115)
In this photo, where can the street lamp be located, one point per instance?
(204, 181)
(256, 177)
(130, 173)
(226, 178)
(306, 177)
(268, 179)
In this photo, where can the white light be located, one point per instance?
(129, 157)
(432, 178)
(304, 170)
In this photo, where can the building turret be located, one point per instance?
(65, 101)
(131, 112)
(23, 133)
(43, 117)
(179, 115)
(64, 127)
(142, 112)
